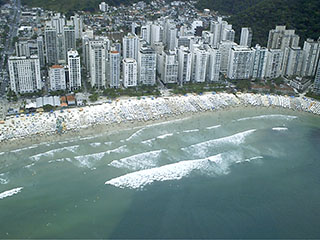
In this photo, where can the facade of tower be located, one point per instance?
(311, 51)
(130, 71)
(259, 66)
(199, 65)
(57, 77)
(24, 74)
(274, 63)
(130, 46)
(98, 64)
(114, 70)
(213, 69)
(51, 45)
(184, 61)
(240, 62)
(147, 61)
(246, 37)
(74, 70)
(170, 67)
(281, 38)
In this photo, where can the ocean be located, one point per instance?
(237, 173)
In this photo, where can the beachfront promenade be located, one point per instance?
(146, 109)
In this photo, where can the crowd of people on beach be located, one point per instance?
(141, 110)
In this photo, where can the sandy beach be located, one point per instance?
(25, 130)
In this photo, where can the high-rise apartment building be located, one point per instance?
(24, 74)
(130, 44)
(130, 71)
(274, 63)
(57, 78)
(246, 37)
(74, 70)
(184, 69)
(51, 44)
(240, 62)
(311, 51)
(114, 65)
(199, 64)
(170, 67)
(281, 38)
(147, 61)
(98, 64)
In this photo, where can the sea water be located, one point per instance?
(241, 173)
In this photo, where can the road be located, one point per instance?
(9, 48)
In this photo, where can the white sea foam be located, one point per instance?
(191, 130)
(53, 151)
(23, 149)
(201, 149)
(96, 144)
(10, 192)
(107, 143)
(89, 159)
(3, 178)
(138, 161)
(29, 166)
(135, 134)
(148, 141)
(279, 128)
(249, 159)
(165, 135)
(60, 160)
(271, 116)
(168, 172)
(2, 153)
(213, 127)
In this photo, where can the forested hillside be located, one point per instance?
(260, 15)
(302, 15)
(72, 5)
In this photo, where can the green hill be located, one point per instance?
(264, 15)
(71, 5)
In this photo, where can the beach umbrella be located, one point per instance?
(17, 116)
(32, 114)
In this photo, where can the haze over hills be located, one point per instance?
(260, 15)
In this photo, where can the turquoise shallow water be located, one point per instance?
(243, 173)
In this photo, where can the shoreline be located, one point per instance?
(93, 119)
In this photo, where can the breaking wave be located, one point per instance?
(89, 159)
(201, 149)
(191, 130)
(214, 165)
(138, 161)
(52, 152)
(279, 129)
(96, 144)
(135, 134)
(213, 127)
(10, 192)
(165, 135)
(271, 116)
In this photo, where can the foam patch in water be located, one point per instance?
(213, 127)
(190, 131)
(279, 129)
(52, 152)
(271, 116)
(138, 161)
(89, 159)
(201, 149)
(10, 192)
